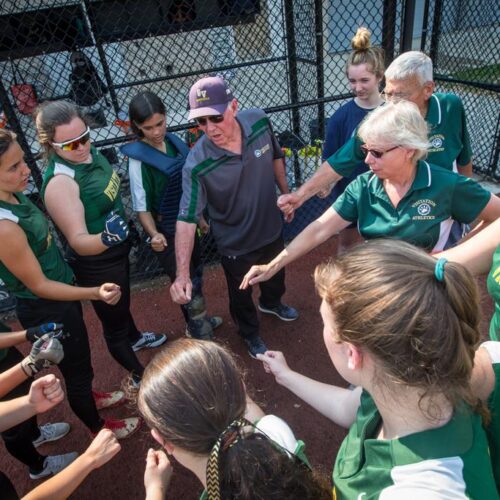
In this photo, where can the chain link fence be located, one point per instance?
(285, 56)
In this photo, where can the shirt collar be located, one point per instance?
(423, 180)
(434, 114)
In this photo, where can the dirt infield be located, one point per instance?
(153, 310)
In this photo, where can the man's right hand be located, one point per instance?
(287, 203)
(181, 290)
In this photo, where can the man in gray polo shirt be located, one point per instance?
(232, 170)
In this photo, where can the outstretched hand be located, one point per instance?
(45, 393)
(110, 293)
(103, 448)
(37, 332)
(274, 362)
(256, 274)
(289, 202)
(157, 474)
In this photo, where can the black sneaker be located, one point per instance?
(283, 312)
(255, 346)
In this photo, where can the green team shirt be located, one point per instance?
(4, 328)
(493, 429)
(278, 431)
(34, 224)
(147, 183)
(493, 284)
(423, 217)
(99, 187)
(448, 136)
(451, 461)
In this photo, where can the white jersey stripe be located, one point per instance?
(136, 185)
(8, 215)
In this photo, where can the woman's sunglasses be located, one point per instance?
(374, 152)
(73, 144)
(213, 119)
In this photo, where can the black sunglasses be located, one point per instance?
(213, 119)
(374, 152)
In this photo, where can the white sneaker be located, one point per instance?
(54, 464)
(149, 339)
(51, 432)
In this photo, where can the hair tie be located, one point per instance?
(228, 437)
(439, 269)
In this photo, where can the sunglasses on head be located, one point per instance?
(375, 153)
(213, 119)
(73, 144)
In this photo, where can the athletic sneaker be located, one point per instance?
(149, 340)
(284, 312)
(255, 346)
(194, 329)
(51, 432)
(111, 399)
(124, 427)
(54, 464)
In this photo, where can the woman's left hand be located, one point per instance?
(256, 274)
(109, 293)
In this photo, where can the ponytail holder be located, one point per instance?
(439, 269)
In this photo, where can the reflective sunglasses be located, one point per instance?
(374, 152)
(212, 119)
(73, 144)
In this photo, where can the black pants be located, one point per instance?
(169, 264)
(241, 305)
(19, 439)
(112, 266)
(76, 367)
(7, 488)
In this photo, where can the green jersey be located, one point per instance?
(493, 284)
(448, 136)
(425, 214)
(34, 224)
(280, 433)
(449, 462)
(147, 183)
(493, 429)
(99, 187)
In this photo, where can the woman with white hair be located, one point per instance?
(402, 197)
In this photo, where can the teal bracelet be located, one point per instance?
(439, 269)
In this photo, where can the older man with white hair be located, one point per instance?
(409, 77)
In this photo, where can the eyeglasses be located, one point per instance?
(396, 96)
(375, 153)
(212, 119)
(73, 144)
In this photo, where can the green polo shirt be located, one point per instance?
(99, 187)
(448, 136)
(35, 225)
(147, 183)
(423, 217)
(451, 461)
(493, 284)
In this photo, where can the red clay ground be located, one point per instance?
(301, 341)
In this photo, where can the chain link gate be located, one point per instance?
(285, 56)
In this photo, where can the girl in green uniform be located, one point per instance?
(155, 166)
(82, 194)
(204, 419)
(404, 329)
(480, 255)
(36, 274)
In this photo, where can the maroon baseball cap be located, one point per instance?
(209, 96)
